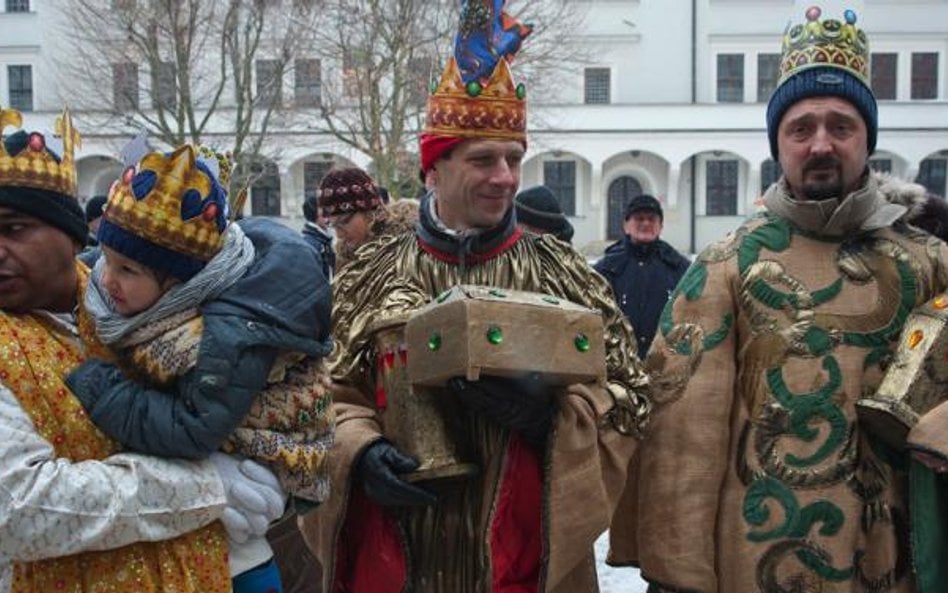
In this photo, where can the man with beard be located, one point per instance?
(756, 476)
(551, 461)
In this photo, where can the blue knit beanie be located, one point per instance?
(822, 81)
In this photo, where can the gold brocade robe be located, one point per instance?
(756, 476)
(587, 455)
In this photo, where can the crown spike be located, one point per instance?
(35, 164)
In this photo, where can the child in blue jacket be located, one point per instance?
(218, 332)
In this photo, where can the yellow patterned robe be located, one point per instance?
(756, 476)
(34, 360)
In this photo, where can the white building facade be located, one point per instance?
(671, 103)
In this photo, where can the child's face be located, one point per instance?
(132, 286)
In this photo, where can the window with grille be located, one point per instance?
(721, 188)
(768, 71)
(313, 173)
(881, 165)
(931, 174)
(125, 86)
(884, 69)
(18, 5)
(308, 82)
(265, 190)
(730, 78)
(560, 178)
(165, 94)
(269, 82)
(770, 172)
(924, 76)
(21, 87)
(597, 85)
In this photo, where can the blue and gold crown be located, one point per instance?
(37, 160)
(829, 42)
(828, 58)
(169, 212)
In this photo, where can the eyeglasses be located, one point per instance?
(339, 221)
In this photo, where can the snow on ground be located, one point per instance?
(615, 580)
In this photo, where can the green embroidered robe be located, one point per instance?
(756, 476)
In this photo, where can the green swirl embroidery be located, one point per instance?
(692, 287)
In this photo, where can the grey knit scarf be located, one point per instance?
(221, 272)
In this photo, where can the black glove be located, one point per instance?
(91, 379)
(525, 405)
(379, 467)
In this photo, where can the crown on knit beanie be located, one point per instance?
(820, 59)
(477, 96)
(347, 190)
(38, 173)
(169, 212)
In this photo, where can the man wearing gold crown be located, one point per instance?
(551, 461)
(75, 514)
(756, 476)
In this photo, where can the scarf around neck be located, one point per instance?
(467, 247)
(865, 209)
(224, 269)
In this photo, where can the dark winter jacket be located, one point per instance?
(321, 241)
(642, 275)
(282, 303)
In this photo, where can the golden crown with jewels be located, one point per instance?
(829, 42)
(37, 160)
(171, 202)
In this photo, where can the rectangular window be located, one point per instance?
(21, 87)
(924, 76)
(770, 172)
(125, 86)
(308, 85)
(931, 174)
(165, 94)
(597, 86)
(884, 69)
(269, 82)
(313, 173)
(730, 78)
(18, 5)
(560, 177)
(721, 187)
(768, 71)
(881, 165)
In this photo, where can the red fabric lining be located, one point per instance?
(369, 555)
(516, 534)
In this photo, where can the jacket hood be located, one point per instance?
(284, 287)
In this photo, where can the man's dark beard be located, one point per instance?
(823, 190)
